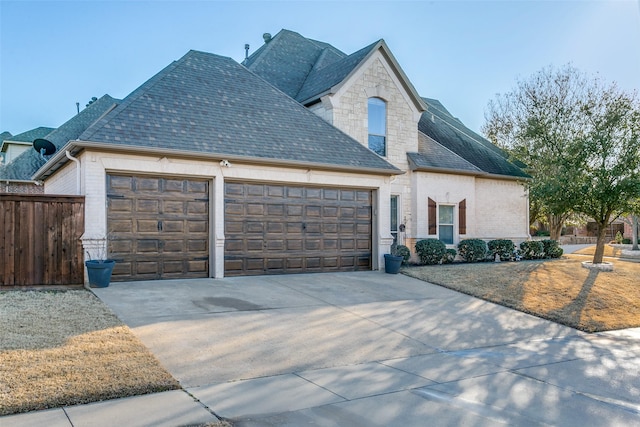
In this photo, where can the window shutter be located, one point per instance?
(462, 217)
(431, 215)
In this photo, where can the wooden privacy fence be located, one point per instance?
(40, 240)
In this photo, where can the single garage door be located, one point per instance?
(279, 229)
(158, 227)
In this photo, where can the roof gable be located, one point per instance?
(438, 124)
(286, 60)
(306, 69)
(210, 105)
(327, 74)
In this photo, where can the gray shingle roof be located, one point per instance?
(205, 103)
(303, 68)
(288, 58)
(325, 75)
(26, 164)
(435, 156)
(441, 126)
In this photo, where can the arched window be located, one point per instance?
(377, 110)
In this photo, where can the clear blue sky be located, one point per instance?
(56, 53)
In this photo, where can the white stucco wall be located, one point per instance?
(444, 189)
(495, 208)
(65, 181)
(502, 210)
(96, 165)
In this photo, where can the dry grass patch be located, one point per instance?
(559, 290)
(66, 348)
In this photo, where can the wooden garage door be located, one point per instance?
(278, 229)
(158, 227)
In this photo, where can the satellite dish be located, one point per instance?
(44, 147)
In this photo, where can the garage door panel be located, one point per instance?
(173, 207)
(121, 183)
(255, 245)
(198, 207)
(313, 227)
(123, 225)
(147, 226)
(142, 184)
(254, 227)
(146, 246)
(147, 267)
(151, 206)
(303, 229)
(166, 235)
(330, 244)
(347, 195)
(275, 210)
(256, 209)
(121, 206)
(198, 246)
(330, 194)
(232, 208)
(197, 226)
(312, 211)
(173, 226)
(174, 186)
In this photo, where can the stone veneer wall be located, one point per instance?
(347, 110)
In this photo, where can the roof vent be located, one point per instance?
(246, 50)
(433, 118)
(266, 37)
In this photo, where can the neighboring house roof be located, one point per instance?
(5, 135)
(26, 164)
(210, 106)
(24, 137)
(438, 124)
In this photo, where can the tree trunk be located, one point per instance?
(555, 226)
(634, 232)
(602, 232)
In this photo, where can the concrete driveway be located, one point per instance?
(372, 349)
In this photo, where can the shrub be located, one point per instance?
(626, 241)
(551, 249)
(504, 248)
(449, 256)
(430, 251)
(618, 237)
(472, 250)
(404, 252)
(532, 249)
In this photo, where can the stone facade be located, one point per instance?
(347, 110)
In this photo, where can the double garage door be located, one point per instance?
(159, 228)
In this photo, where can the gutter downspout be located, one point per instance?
(78, 181)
